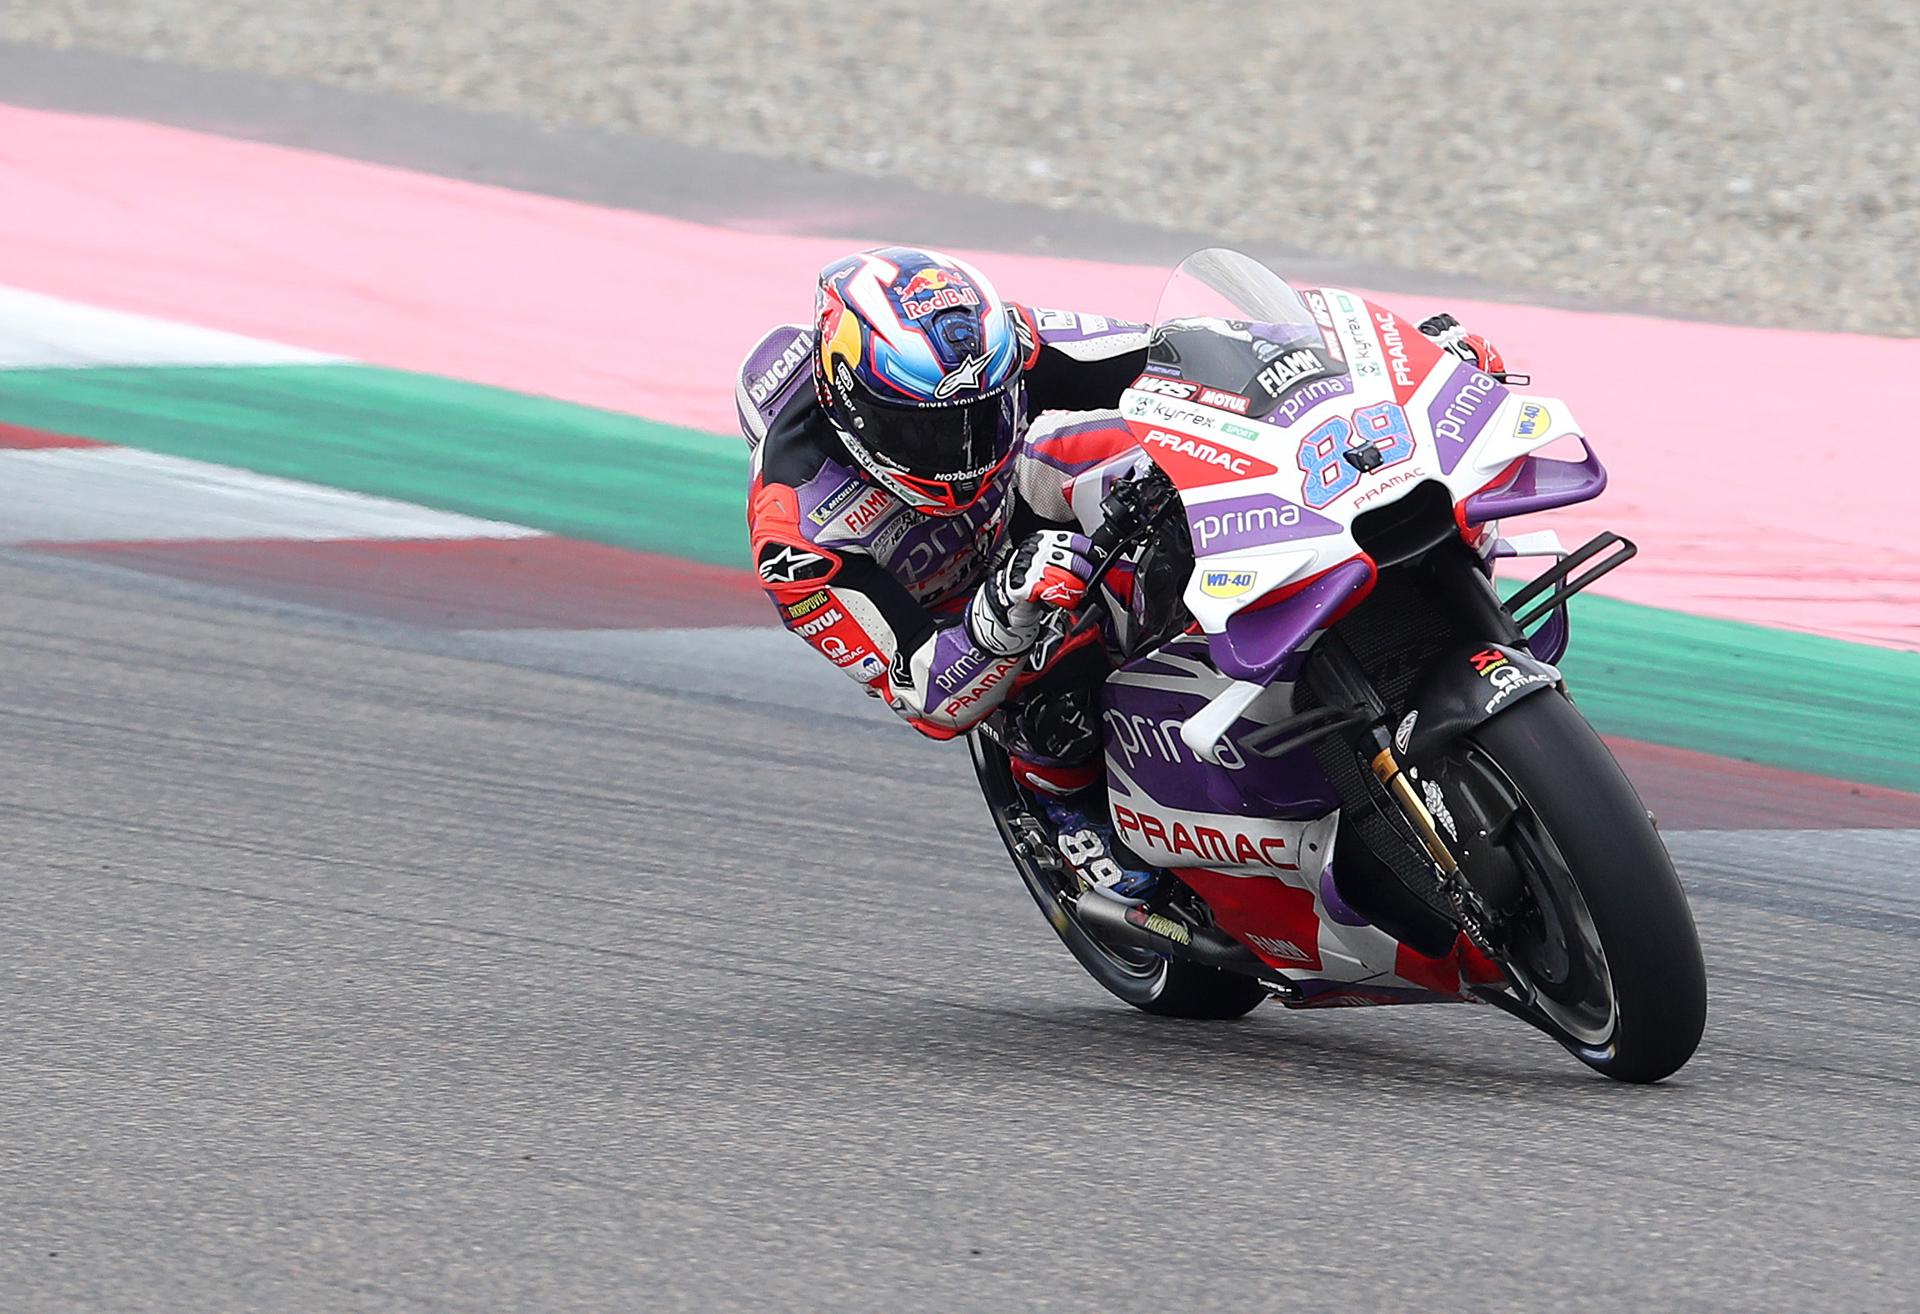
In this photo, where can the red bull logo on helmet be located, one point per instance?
(936, 289)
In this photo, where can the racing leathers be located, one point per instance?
(900, 600)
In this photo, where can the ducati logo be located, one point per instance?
(967, 374)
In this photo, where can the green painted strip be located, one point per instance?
(457, 446)
(1797, 701)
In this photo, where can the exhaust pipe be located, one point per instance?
(1140, 929)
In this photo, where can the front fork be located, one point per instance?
(1467, 906)
(1342, 683)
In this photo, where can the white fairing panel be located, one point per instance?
(1273, 500)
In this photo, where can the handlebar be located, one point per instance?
(1133, 509)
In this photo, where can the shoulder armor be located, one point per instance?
(788, 561)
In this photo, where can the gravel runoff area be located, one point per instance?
(1753, 161)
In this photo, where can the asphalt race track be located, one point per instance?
(355, 964)
(354, 967)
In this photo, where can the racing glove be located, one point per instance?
(1470, 347)
(1047, 570)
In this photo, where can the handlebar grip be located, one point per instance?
(1103, 540)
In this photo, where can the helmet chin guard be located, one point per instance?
(948, 494)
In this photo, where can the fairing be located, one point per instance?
(1271, 495)
(1271, 498)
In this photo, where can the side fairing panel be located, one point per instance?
(1255, 837)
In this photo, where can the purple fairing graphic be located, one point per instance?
(1549, 642)
(1540, 485)
(771, 374)
(1345, 993)
(1461, 410)
(1337, 908)
(1307, 396)
(1234, 523)
(1161, 660)
(1143, 739)
(1258, 644)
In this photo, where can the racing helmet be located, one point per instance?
(918, 367)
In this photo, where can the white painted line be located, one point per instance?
(43, 332)
(120, 494)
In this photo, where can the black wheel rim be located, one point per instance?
(1142, 965)
(1552, 944)
(1545, 930)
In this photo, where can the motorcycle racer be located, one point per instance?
(908, 512)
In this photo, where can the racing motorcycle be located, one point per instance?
(1354, 754)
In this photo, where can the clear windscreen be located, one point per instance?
(1231, 325)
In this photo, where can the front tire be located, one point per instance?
(1598, 925)
(1148, 981)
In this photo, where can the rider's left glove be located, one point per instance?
(1047, 570)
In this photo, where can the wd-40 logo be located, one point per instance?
(1534, 420)
(1226, 583)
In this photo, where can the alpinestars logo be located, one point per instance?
(966, 374)
(783, 563)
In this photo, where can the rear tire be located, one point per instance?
(1151, 983)
(1624, 893)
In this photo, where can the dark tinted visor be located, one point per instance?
(942, 444)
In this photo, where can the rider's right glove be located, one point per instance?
(1048, 569)
(1448, 332)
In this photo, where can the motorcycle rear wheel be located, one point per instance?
(1601, 931)
(1150, 982)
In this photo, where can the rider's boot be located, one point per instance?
(1056, 758)
(1073, 799)
(1087, 844)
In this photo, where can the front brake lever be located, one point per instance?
(1090, 609)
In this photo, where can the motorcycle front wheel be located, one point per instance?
(1590, 915)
